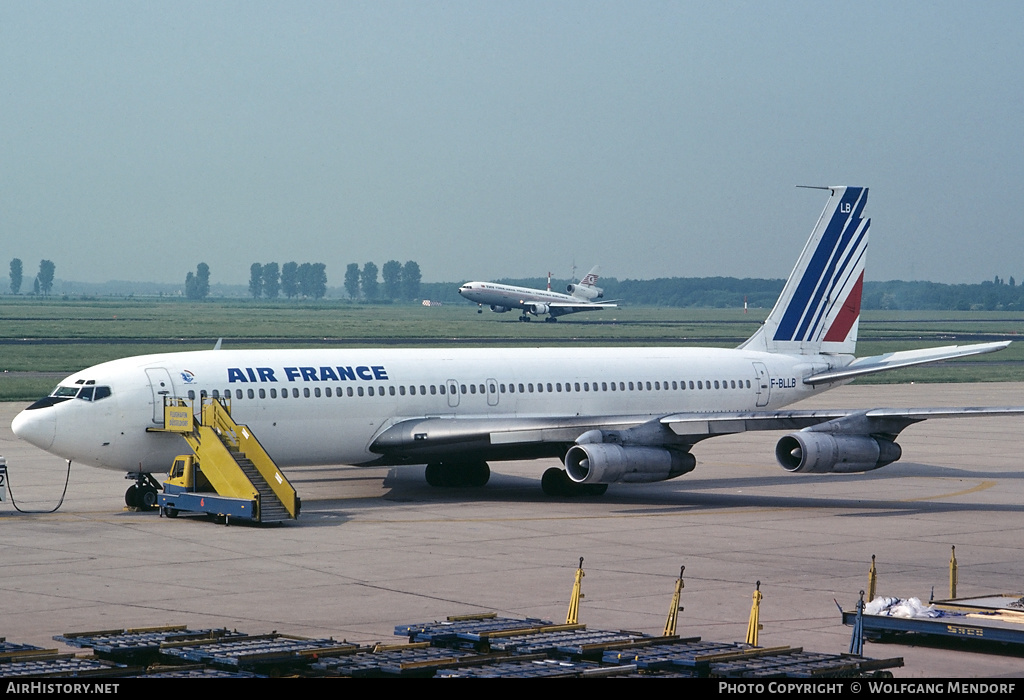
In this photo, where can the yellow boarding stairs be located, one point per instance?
(229, 460)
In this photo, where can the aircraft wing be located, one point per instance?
(876, 421)
(426, 438)
(419, 440)
(905, 358)
(580, 306)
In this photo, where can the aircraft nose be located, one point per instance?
(37, 427)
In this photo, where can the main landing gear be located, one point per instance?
(556, 482)
(144, 493)
(472, 473)
(524, 318)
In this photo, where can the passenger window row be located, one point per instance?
(433, 390)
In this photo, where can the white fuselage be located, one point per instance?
(327, 406)
(511, 297)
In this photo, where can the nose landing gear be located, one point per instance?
(143, 494)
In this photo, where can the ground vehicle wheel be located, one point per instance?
(148, 498)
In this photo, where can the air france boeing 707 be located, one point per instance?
(610, 414)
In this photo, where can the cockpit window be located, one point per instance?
(88, 392)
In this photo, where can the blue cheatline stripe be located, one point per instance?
(836, 277)
(849, 227)
(809, 282)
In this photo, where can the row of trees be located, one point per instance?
(292, 279)
(197, 286)
(44, 279)
(309, 280)
(400, 281)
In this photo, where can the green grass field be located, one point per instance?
(63, 336)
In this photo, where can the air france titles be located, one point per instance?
(369, 373)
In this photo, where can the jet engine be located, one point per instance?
(821, 453)
(499, 309)
(604, 463)
(585, 291)
(538, 309)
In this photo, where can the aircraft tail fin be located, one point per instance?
(819, 308)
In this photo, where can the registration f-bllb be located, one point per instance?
(610, 414)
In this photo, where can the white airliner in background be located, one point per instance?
(505, 297)
(610, 414)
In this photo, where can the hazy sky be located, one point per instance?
(506, 139)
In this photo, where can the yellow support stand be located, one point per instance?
(754, 626)
(872, 579)
(673, 611)
(572, 617)
(953, 574)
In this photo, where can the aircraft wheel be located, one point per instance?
(435, 475)
(555, 482)
(458, 474)
(476, 474)
(551, 319)
(131, 497)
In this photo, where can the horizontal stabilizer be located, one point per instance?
(906, 358)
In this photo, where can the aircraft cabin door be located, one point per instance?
(453, 393)
(161, 386)
(492, 392)
(762, 384)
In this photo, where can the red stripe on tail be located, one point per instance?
(847, 314)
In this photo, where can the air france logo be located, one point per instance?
(367, 373)
(187, 377)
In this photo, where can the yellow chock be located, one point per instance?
(754, 626)
(872, 579)
(572, 617)
(953, 574)
(673, 611)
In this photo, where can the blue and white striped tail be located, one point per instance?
(819, 309)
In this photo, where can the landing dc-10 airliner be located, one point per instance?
(610, 414)
(505, 297)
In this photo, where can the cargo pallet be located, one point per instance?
(993, 618)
